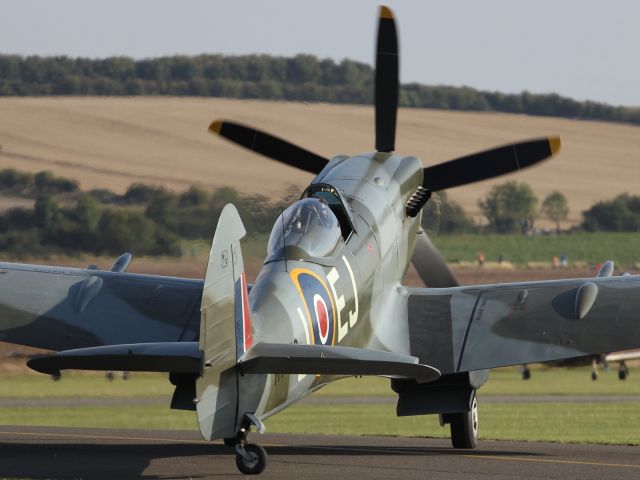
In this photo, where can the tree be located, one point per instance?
(556, 208)
(622, 214)
(442, 215)
(122, 230)
(510, 207)
(46, 212)
(87, 213)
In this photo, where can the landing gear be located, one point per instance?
(464, 426)
(594, 368)
(526, 373)
(251, 459)
(623, 371)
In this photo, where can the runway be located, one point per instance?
(71, 402)
(39, 452)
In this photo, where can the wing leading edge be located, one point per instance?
(472, 328)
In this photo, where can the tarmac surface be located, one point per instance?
(310, 400)
(39, 452)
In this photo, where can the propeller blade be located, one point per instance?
(269, 146)
(430, 264)
(489, 164)
(386, 88)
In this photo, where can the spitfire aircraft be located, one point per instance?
(329, 301)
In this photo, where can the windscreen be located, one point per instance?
(308, 224)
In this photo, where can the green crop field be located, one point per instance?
(581, 247)
(147, 398)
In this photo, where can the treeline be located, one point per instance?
(513, 207)
(151, 220)
(300, 78)
(146, 220)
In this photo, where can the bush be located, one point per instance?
(14, 181)
(140, 193)
(441, 215)
(622, 214)
(47, 182)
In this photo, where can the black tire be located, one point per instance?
(526, 374)
(229, 441)
(256, 464)
(464, 427)
(622, 374)
(594, 375)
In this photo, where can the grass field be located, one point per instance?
(617, 423)
(582, 248)
(111, 142)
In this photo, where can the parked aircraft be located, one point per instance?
(605, 270)
(328, 302)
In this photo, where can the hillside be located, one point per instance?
(110, 142)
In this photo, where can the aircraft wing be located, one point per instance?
(478, 327)
(58, 308)
(622, 356)
(174, 357)
(278, 358)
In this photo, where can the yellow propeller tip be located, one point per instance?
(554, 144)
(385, 12)
(216, 126)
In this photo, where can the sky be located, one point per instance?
(583, 49)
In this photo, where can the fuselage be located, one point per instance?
(351, 296)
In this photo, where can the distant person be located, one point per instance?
(481, 258)
(500, 258)
(564, 260)
(555, 262)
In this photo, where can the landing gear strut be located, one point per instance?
(464, 426)
(594, 368)
(623, 371)
(251, 459)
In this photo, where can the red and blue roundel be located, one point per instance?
(318, 304)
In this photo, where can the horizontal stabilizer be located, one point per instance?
(278, 358)
(178, 357)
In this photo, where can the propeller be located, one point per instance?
(269, 146)
(489, 163)
(386, 84)
(431, 265)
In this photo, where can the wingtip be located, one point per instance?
(215, 127)
(554, 144)
(385, 12)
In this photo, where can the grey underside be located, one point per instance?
(66, 308)
(490, 326)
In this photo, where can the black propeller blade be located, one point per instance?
(489, 164)
(386, 88)
(269, 146)
(430, 264)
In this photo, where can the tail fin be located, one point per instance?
(225, 329)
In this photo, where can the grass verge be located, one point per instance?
(617, 423)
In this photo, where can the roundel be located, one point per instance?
(322, 316)
(318, 305)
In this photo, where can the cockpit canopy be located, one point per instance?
(308, 224)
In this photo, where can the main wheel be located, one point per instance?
(464, 427)
(622, 374)
(256, 461)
